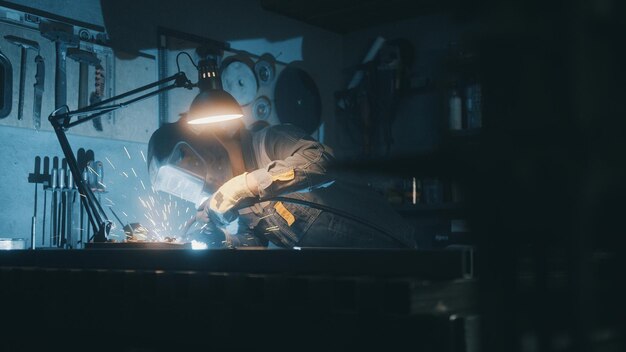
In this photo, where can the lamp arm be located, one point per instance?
(101, 107)
(60, 122)
(96, 215)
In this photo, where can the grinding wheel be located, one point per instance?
(239, 80)
(297, 99)
(265, 70)
(262, 108)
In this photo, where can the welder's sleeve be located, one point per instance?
(299, 163)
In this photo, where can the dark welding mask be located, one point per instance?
(187, 165)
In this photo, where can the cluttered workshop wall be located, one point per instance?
(285, 39)
(268, 90)
(31, 44)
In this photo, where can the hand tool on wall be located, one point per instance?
(85, 59)
(53, 205)
(98, 94)
(24, 45)
(89, 158)
(63, 37)
(71, 197)
(46, 185)
(39, 88)
(6, 86)
(80, 159)
(33, 223)
(63, 210)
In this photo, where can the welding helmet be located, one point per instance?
(185, 163)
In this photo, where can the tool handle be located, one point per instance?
(40, 74)
(32, 232)
(20, 102)
(83, 80)
(60, 85)
(39, 88)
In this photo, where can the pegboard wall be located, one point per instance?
(132, 124)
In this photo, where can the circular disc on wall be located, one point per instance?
(262, 108)
(239, 80)
(297, 99)
(265, 70)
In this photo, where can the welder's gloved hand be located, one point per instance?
(221, 205)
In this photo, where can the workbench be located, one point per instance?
(241, 299)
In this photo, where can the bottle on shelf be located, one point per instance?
(455, 117)
(473, 109)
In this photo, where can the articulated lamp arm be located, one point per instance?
(63, 121)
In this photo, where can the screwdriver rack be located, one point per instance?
(64, 222)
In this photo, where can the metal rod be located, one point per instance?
(110, 108)
(180, 78)
(60, 122)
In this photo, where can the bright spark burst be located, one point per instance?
(93, 171)
(110, 163)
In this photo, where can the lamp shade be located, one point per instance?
(213, 105)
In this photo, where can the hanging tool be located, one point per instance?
(39, 89)
(6, 86)
(46, 185)
(70, 198)
(63, 37)
(24, 45)
(98, 94)
(38, 177)
(89, 158)
(53, 206)
(33, 231)
(63, 210)
(80, 158)
(85, 59)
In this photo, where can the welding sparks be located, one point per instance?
(127, 154)
(142, 185)
(125, 174)
(93, 171)
(133, 170)
(143, 156)
(110, 163)
(126, 215)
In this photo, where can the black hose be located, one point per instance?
(342, 213)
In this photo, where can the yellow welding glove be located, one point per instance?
(227, 197)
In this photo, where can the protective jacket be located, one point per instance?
(286, 162)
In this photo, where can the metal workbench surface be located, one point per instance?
(431, 265)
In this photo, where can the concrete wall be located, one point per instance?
(133, 27)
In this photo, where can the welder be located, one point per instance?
(275, 181)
